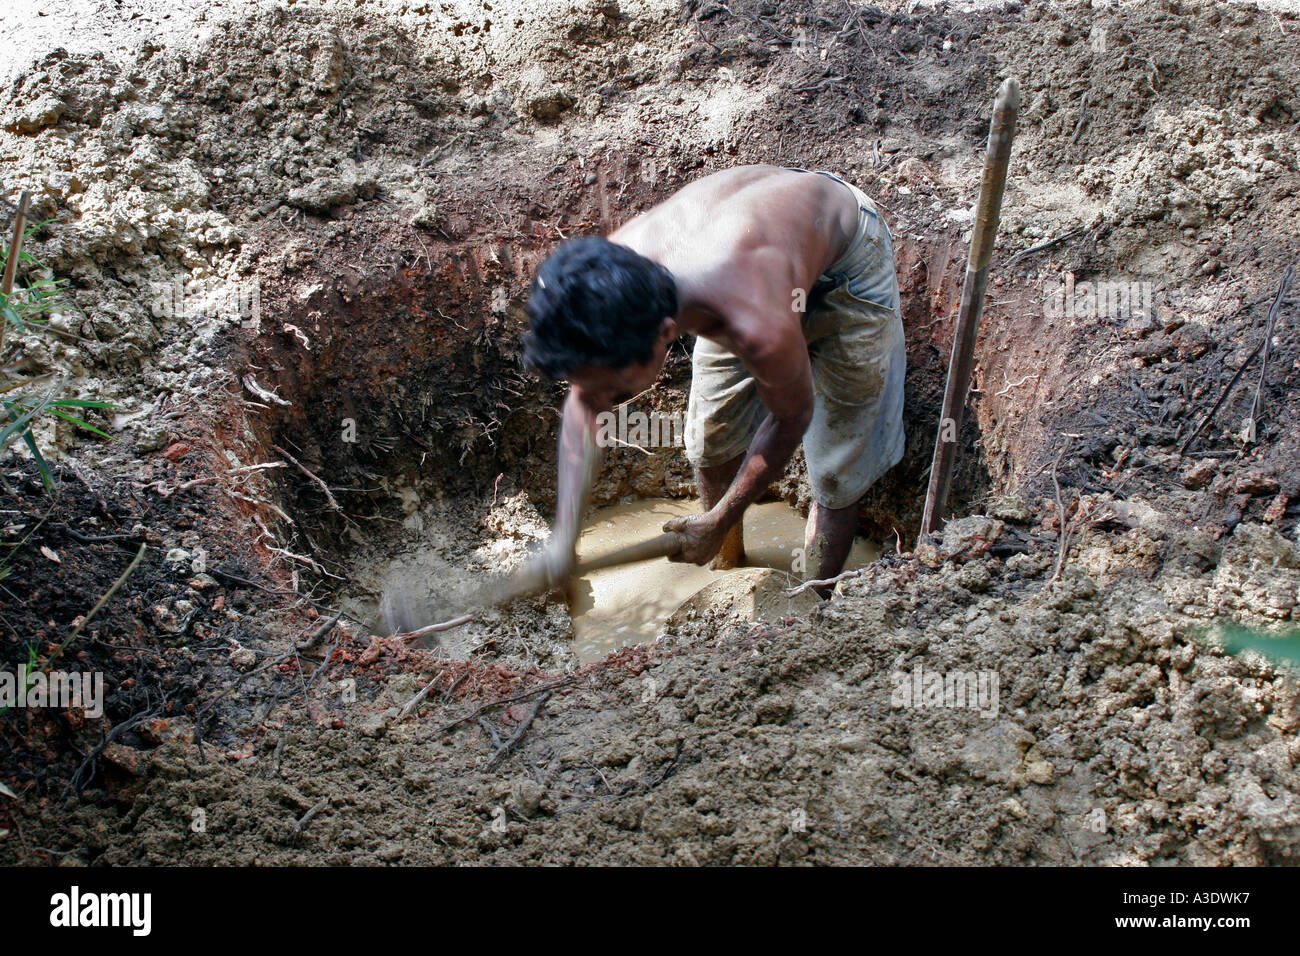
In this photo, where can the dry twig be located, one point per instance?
(523, 695)
(296, 831)
(413, 704)
(329, 496)
(825, 582)
(130, 568)
(504, 749)
(1060, 508)
(1268, 333)
(409, 636)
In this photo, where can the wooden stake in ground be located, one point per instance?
(1002, 130)
(15, 250)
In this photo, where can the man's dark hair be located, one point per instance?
(594, 302)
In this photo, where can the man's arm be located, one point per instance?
(578, 462)
(783, 374)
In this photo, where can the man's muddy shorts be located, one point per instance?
(854, 329)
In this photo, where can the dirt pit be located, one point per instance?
(387, 178)
(630, 605)
(437, 580)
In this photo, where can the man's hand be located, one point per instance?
(702, 537)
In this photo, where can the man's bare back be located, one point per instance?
(739, 243)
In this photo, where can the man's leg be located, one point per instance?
(828, 539)
(713, 483)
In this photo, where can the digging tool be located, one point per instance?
(532, 578)
(1002, 130)
(402, 617)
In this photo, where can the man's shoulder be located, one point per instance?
(726, 184)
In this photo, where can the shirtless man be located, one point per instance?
(786, 278)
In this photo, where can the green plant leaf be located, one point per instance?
(20, 422)
(82, 424)
(47, 476)
(81, 403)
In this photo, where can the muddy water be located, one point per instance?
(629, 604)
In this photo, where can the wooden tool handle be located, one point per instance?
(664, 546)
(531, 578)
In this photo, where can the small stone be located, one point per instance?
(1015, 808)
(164, 618)
(243, 660)
(1012, 509)
(154, 731)
(426, 217)
(202, 582)
(373, 725)
(774, 710)
(1199, 475)
(528, 795)
(124, 758)
(1256, 483)
(1037, 769)
(970, 537)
